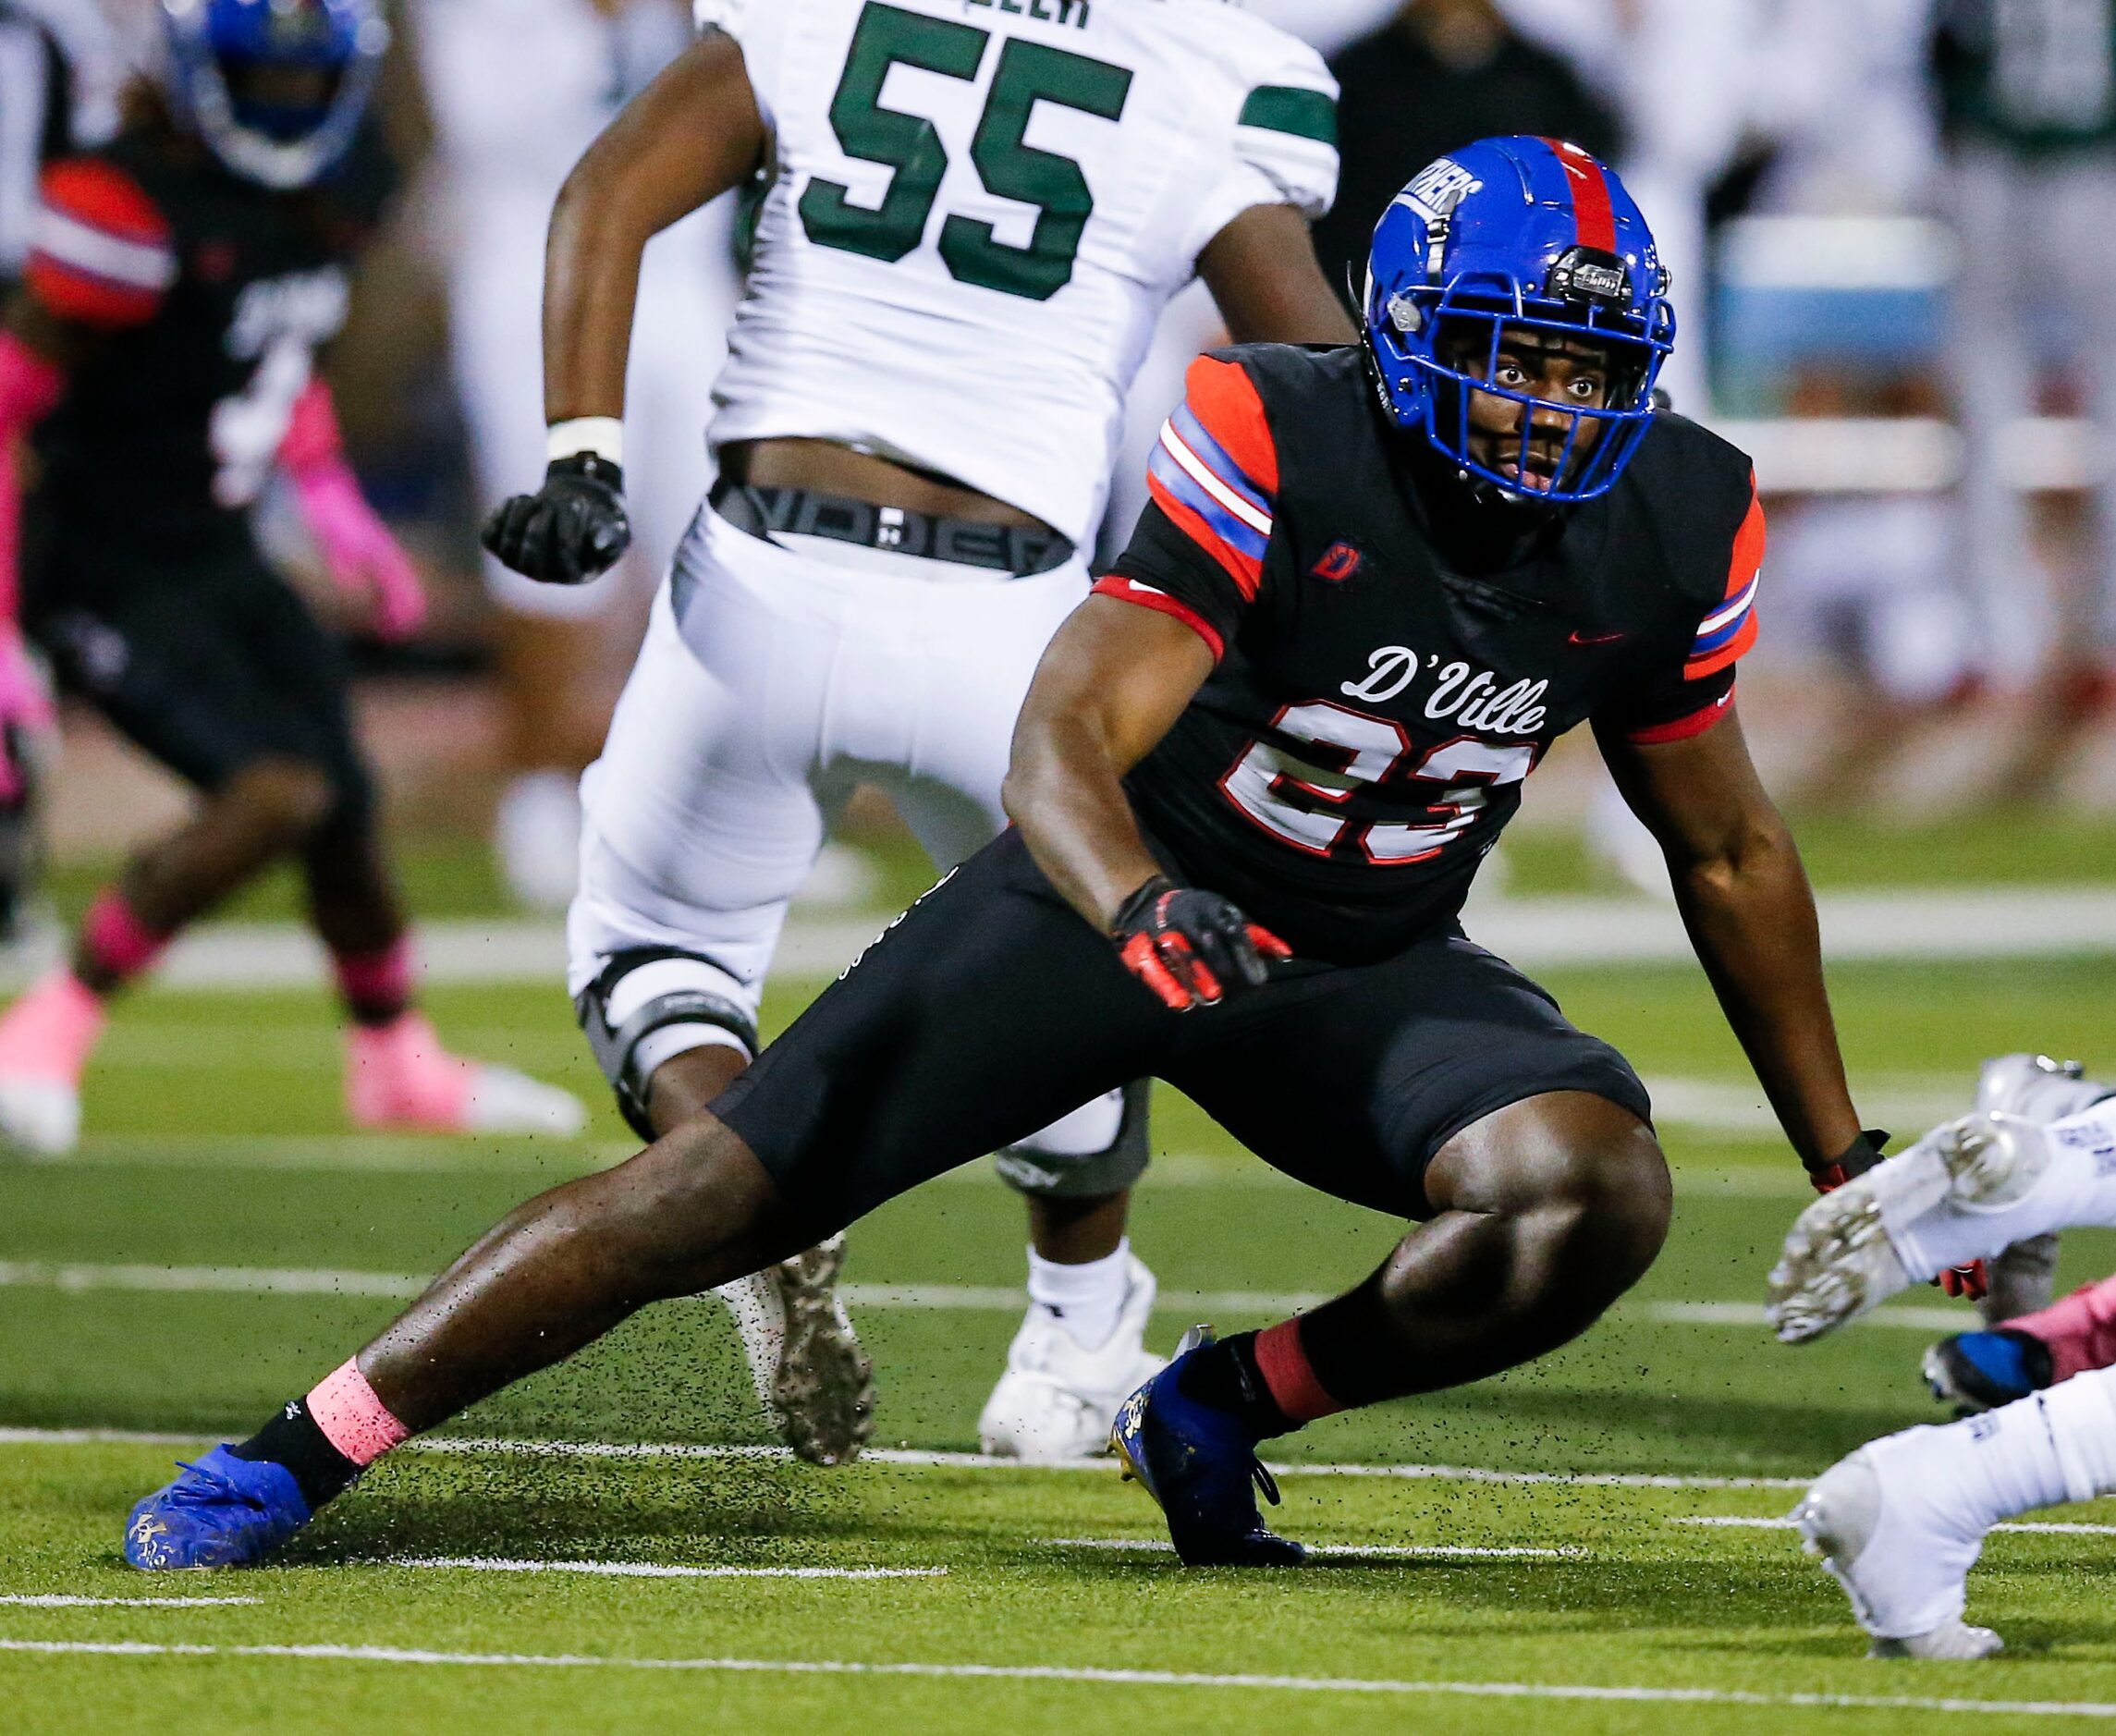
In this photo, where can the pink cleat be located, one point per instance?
(399, 1078)
(45, 1040)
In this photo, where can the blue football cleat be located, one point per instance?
(223, 1512)
(1981, 1370)
(1198, 1463)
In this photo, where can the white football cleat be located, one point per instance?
(505, 1101)
(40, 1116)
(2023, 1277)
(1057, 1402)
(1949, 1199)
(1877, 1521)
(812, 1378)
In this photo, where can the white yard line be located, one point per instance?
(81, 1276)
(2042, 1528)
(918, 1459)
(57, 1600)
(1344, 1551)
(1536, 934)
(652, 1569)
(1099, 1678)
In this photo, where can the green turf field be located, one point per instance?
(220, 1242)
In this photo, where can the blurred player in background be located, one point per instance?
(159, 352)
(2027, 104)
(518, 90)
(953, 282)
(1901, 1522)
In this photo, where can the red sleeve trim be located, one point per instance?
(1683, 728)
(1146, 597)
(1223, 396)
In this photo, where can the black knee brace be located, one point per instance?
(696, 996)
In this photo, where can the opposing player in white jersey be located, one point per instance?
(518, 90)
(1901, 1522)
(974, 215)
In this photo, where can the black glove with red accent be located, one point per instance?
(1192, 949)
(1971, 1282)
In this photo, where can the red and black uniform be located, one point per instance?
(140, 574)
(1363, 737)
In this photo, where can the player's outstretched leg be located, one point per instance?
(1901, 1522)
(258, 815)
(398, 1076)
(1546, 1211)
(1978, 1371)
(1963, 1191)
(691, 1211)
(2023, 1275)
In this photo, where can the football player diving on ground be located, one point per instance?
(1251, 786)
(157, 357)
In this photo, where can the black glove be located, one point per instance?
(1858, 1158)
(570, 530)
(1192, 949)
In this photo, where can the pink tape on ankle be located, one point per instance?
(118, 940)
(353, 1420)
(1284, 1366)
(368, 979)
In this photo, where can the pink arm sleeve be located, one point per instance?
(30, 388)
(312, 440)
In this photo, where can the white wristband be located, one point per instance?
(602, 436)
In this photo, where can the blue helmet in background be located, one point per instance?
(1524, 234)
(275, 88)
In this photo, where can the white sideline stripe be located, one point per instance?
(1201, 474)
(330, 1281)
(916, 1458)
(653, 1570)
(1335, 1551)
(57, 1600)
(1052, 1672)
(2052, 921)
(2040, 1528)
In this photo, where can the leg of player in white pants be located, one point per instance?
(1901, 1522)
(773, 681)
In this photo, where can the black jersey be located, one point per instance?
(214, 293)
(1373, 714)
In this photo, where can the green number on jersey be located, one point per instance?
(909, 143)
(1028, 73)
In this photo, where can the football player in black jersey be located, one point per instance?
(1252, 784)
(158, 354)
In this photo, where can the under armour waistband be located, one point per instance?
(1008, 548)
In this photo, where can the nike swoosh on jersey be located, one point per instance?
(1577, 638)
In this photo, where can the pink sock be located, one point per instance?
(376, 985)
(353, 1420)
(1283, 1362)
(117, 940)
(2080, 1329)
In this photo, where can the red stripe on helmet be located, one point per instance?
(1591, 209)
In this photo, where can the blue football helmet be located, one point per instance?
(275, 88)
(1518, 235)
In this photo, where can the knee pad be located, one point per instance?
(1099, 1149)
(649, 1005)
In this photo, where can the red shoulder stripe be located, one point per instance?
(1731, 652)
(1749, 543)
(100, 246)
(1223, 396)
(1683, 729)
